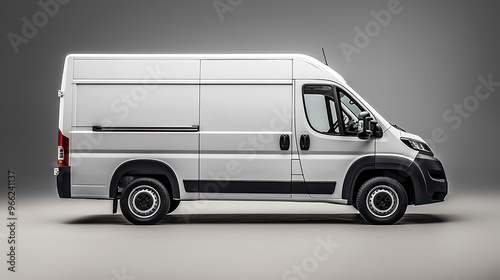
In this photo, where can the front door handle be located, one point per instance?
(284, 142)
(305, 142)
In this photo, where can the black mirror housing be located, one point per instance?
(368, 127)
(377, 132)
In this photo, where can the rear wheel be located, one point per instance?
(144, 201)
(382, 201)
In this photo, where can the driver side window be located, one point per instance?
(320, 104)
(321, 110)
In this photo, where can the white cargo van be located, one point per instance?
(151, 131)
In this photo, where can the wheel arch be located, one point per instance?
(392, 166)
(145, 168)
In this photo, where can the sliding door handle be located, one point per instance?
(305, 142)
(284, 142)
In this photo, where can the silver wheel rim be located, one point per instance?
(144, 201)
(382, 201)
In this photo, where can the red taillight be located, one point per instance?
(62, 150)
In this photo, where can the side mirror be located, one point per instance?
(366, 125)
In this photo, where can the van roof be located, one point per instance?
(304, 66)
(192, 56)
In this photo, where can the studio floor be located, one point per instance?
(80, 239)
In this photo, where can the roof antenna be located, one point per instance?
(324, 55)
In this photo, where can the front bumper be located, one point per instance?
(63, 174)
(429, 179)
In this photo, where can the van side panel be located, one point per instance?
(130, 116)
(136, 105)
(238, 69)
(241, 126)
(136, 69)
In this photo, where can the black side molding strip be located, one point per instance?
(273, 187)
(205, 186)
(193, 128)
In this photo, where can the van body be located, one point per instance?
(149, 131)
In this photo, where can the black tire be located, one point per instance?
(144, 201)
(382, 201)
(173, 205)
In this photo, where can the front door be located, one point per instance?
(326, 116)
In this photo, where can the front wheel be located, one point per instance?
(382, 201)
(144, 201)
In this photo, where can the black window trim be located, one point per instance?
(332, 95)
(338, 108)
(329, 113)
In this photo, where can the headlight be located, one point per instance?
(417, 145)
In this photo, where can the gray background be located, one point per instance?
(426, 60)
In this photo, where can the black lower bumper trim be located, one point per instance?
(433, 186)
(64, 182)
